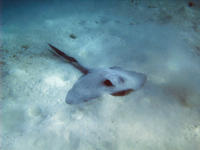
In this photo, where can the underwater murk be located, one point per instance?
(100, 75)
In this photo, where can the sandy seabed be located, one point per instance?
(160, 39)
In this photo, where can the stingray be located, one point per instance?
(96, 82)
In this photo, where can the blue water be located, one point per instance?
(158, 38)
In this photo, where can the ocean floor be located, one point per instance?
(160, 39)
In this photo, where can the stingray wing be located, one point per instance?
(86, 88)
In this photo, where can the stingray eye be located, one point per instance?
(107, 83)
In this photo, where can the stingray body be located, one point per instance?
(96, 82)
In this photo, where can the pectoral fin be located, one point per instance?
(122, 93)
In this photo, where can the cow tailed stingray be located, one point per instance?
(98, 81)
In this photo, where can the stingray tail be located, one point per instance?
(69, 59)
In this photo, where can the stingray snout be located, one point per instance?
(141, 79)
